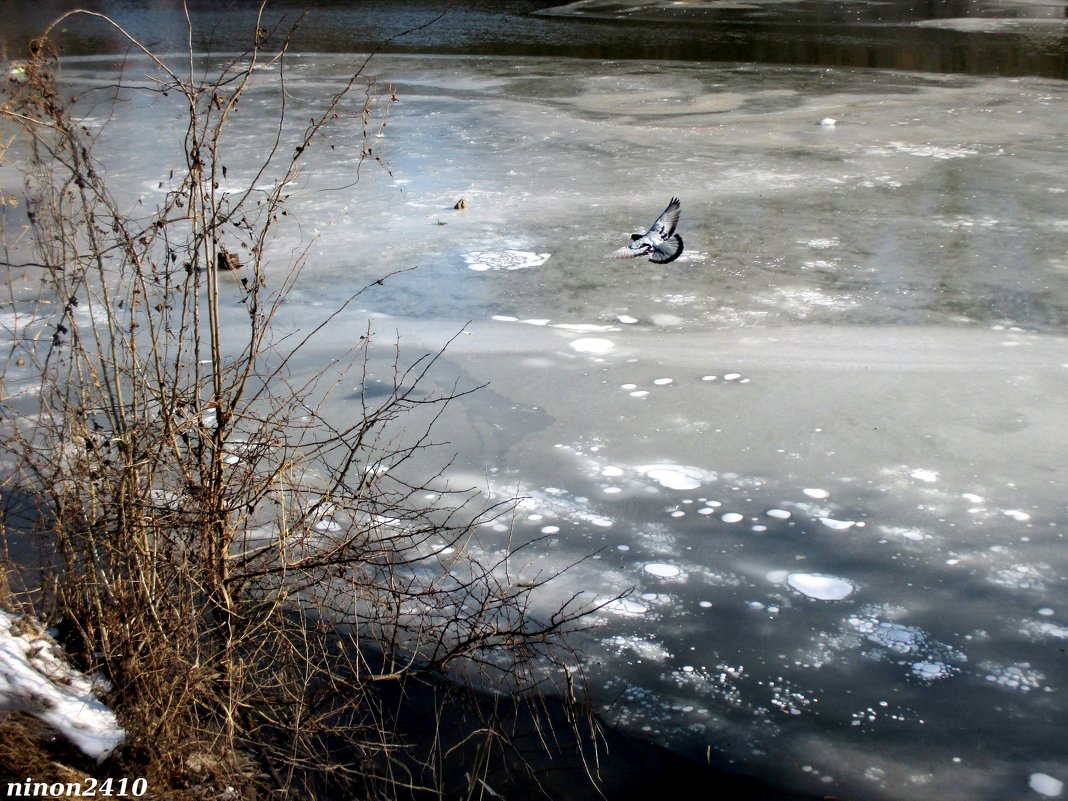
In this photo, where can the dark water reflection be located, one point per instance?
(953, 36)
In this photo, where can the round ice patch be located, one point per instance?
(1044, 784)
(676, 477)
(482, 260)
(821, 588)
(662, 570)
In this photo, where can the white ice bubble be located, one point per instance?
(677, 477)
(625, 607)
(662, 570)
(1021, 676)
(504, 318)
(1017, 514)
(1044, 784)
(666, 320)
(594, 345)
(708, 378)
(663, 382)
(821, 588)
(814, 492)
(932, 671)
(549, 529)
(896, 637)
(778, 514)
(732, 517)
(920, 474)
(1045, 611)
(732, 376)
(482, 260)
(639, 393)
(626, 319)
(1051, 630)
(611, 471)
(837, 525)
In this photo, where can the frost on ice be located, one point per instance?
(35, 678)
(483, 260)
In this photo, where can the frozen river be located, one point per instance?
(826, 447)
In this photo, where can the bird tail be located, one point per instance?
(667, 251)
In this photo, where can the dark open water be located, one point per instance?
(953, 36)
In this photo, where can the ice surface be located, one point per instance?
(863, 377)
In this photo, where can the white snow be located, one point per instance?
(36, 678)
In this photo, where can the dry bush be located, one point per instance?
(266, 592)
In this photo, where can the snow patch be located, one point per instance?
(36, 678)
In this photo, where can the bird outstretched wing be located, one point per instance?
(659, 243)
(668, 219)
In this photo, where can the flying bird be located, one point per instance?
(660, 243)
